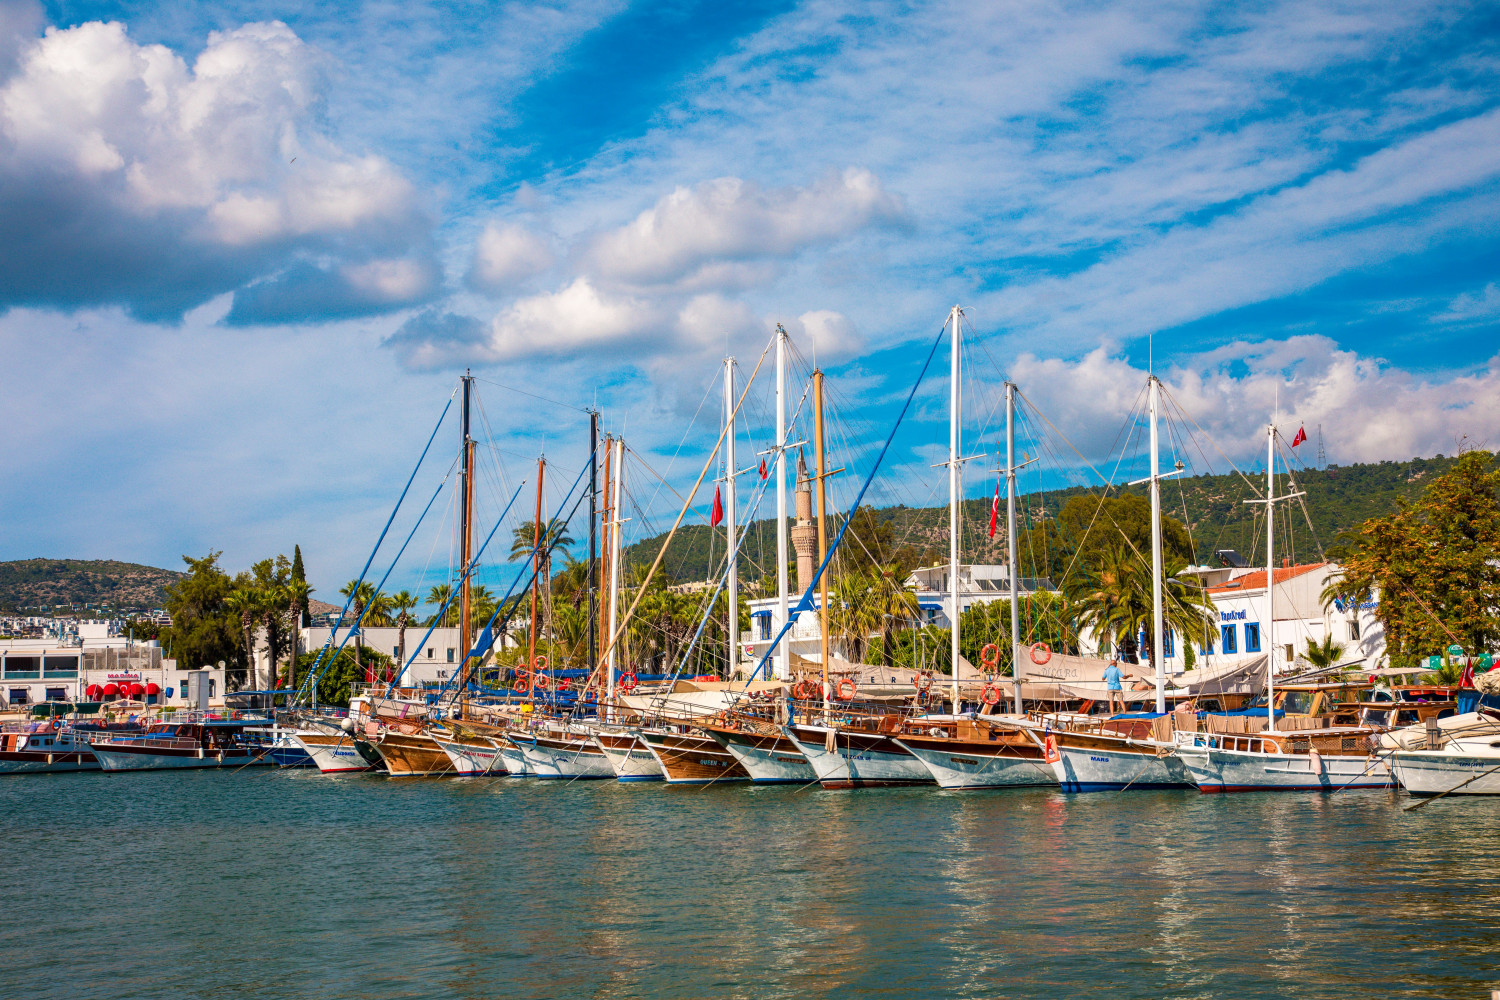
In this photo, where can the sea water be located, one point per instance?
(289, 884)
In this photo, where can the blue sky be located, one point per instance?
(248, 247)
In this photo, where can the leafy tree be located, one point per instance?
(204, 629)
(403, 602)
(245, 604)
(439, 596)
(1113, 598)
(1435, 563)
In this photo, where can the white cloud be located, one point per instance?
(177, 182)
(506, 254)
(730, 220)
(578, 322)
(1472, 307)
(1369, 410)
(830, 336)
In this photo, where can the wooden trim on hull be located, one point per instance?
(415, 756)
(688, 759)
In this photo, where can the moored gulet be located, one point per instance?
(194, 743)
(1099, 755)
(850, 757)
(630, 758)
(689, 756)
(977, 752)
(335, 751)
(766, 753)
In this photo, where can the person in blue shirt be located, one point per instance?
(1114, 680)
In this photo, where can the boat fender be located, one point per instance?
(938, 732)
(1040, 653)
(1049, 751)
(990, 656)
(347, 725)
(991, 695)
(1317, 761)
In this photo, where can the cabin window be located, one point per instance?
(210, 687)
(1354, 630)
(57, 694)
(1230, 641)
(450, 655)
(1252, 637)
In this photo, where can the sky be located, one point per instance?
(246, 248)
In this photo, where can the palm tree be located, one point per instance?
(1323, 654)
(851, 612)
(402, 602)
(439, 596)
(1114, 599)
(893, 602)
(272, 599)
(358, 594)
(245, 603)
(554, 536)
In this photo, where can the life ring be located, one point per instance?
(1049, 751)
(522, 682)
(541, 681)
(990, 655)
(922, 682)
(541, 661)
(852, 687)
(565, 685)
(1040, 653)
(627, 682)
(991, 695)
(804, 691)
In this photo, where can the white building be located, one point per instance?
(93, 668)
(435, 659)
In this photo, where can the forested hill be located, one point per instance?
(1339, 499)
(28, 583)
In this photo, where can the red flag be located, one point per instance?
(717, 516)
(1301, 436)
(762, 468)
(995, 510)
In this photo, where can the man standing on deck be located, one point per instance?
(1113, 683)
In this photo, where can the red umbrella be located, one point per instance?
(153, 689)
(110, 690)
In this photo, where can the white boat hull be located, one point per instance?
(575, 761)
(633, 763)
(773, 766)
(957, 770)
(471, 760)
(1099, 770)
(859, 766)
(119, 760)
(1435, 772)
(1216, 771)
(340, 757)
(514, 760)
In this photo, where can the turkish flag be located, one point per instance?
(762, 468)
(1301, 436)
(995, 510)
(717, 517)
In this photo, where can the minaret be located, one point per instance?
(804, 532)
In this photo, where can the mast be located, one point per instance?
(783, 656)
(822, 532)
(1271, 576)
(593, 564)
(733, 591)
(955, 404)
(607, 515)
(614, 559)
(1157, 625)
(1010, 539)
(536, 575)
(466, 543)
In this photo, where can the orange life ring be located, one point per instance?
(541, 681)
(922, 682)
(1049, 751)
(804, 691)
(991, 695)
(627, 682)
(853, 690)
(990, 655)
(541, 661)
(523, 679)
(1040, 653)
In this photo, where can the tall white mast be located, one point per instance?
(614, 562)
(1158, 650)
(729, 508)
(783, 656)
(1010, 539)
(1270, 576)
(955, 410)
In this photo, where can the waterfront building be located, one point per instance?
(112, 667)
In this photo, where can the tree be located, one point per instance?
(1089, 527)
(1435, 564)
(1323, 654)
(204, 629)
(403, 602)
(439, 596)
(1114, 599)
(297, 595)
(245, 604)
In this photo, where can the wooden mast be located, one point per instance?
(536, 578)
(466, 547)
(822, 531)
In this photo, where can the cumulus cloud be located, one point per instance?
(129, 177)
(731, 220)
(1369, 410)
(506, 254)
(832, 335)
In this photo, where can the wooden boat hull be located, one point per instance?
(857, 760)
(333, 754)
(768, 759)
(630, 759)
(693, 759)
(1436, 772)
(969, 764)
(413, 755)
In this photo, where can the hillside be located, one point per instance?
(1339, 499)
(28, 583)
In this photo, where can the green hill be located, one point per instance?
(1339, 499)
(31, 583)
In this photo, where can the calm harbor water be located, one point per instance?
(290, 884)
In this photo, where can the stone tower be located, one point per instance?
(805, 531)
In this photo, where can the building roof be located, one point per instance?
(1257, 579)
